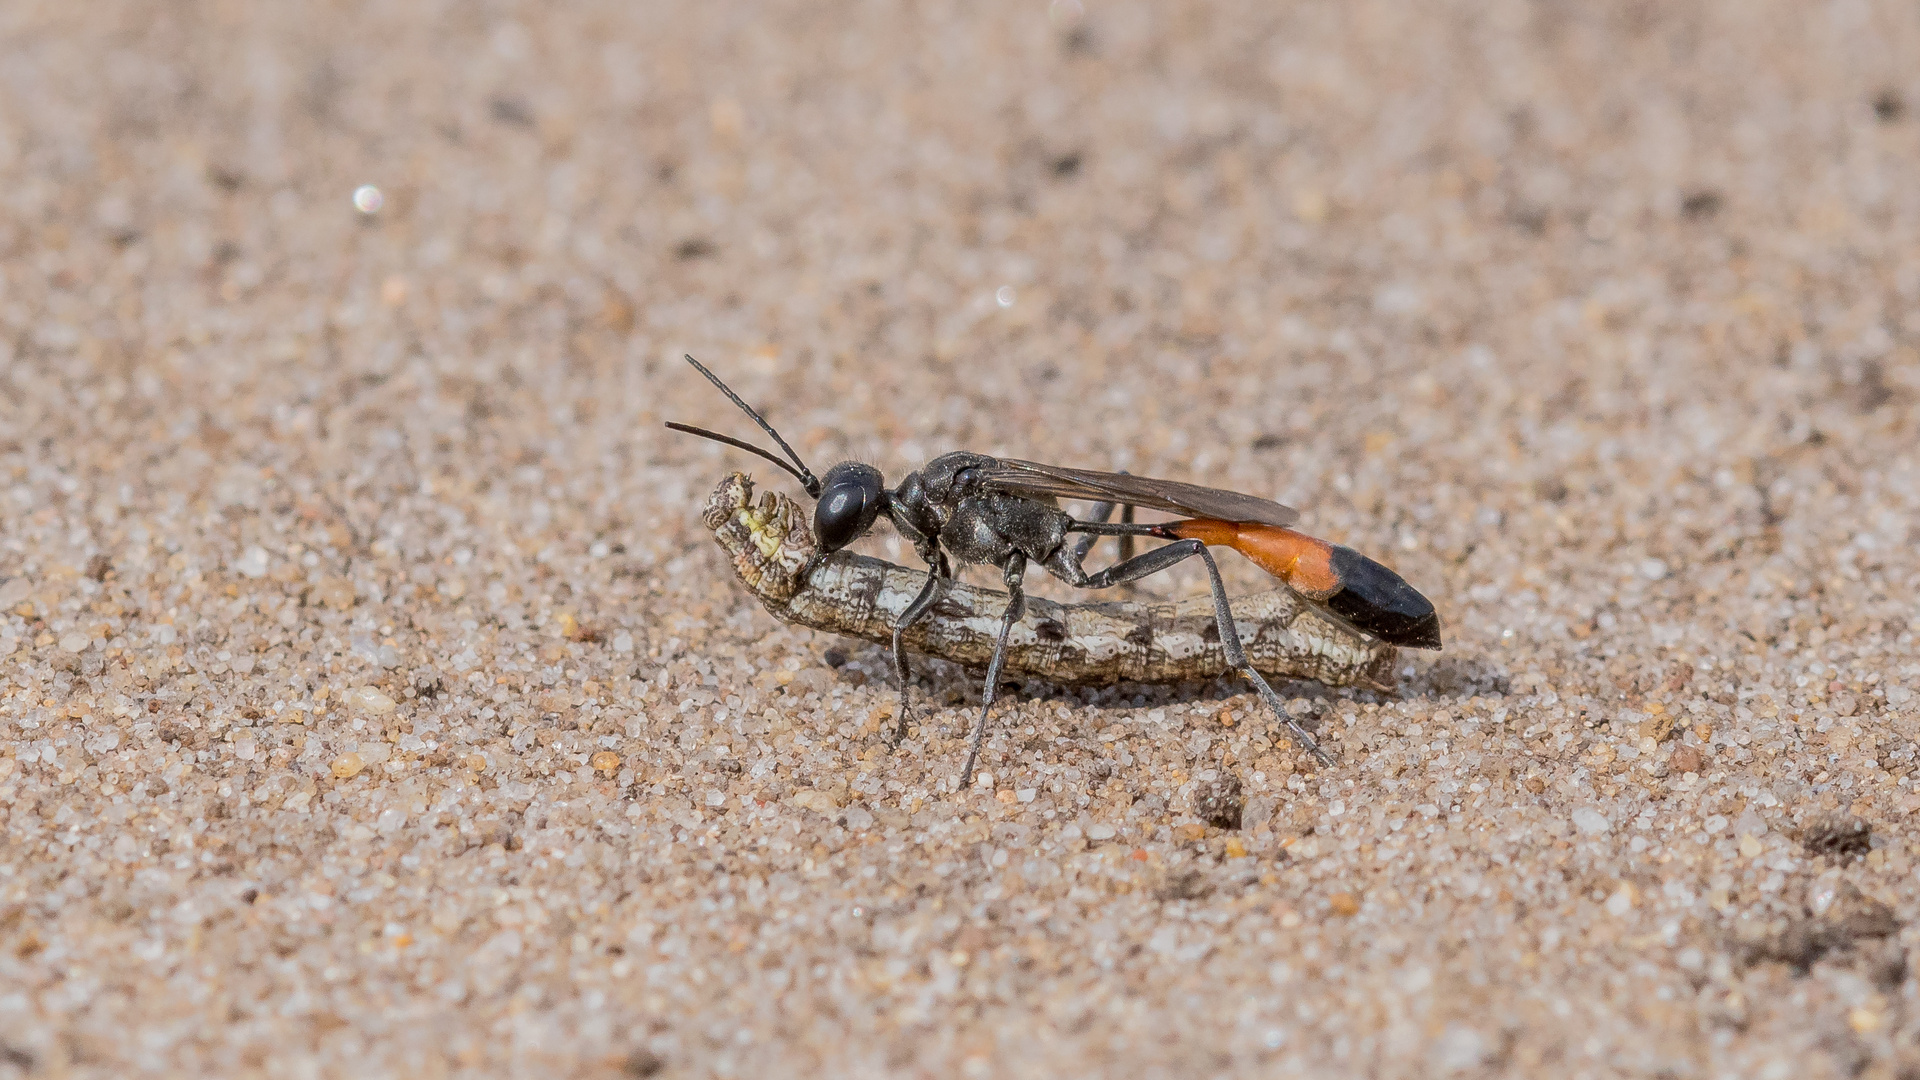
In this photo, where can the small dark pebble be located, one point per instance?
(1188, 884)
(507, 110)
(1221, 804)
(1701, 204)
(836, 657)
(644, 1063)
(695, 248)
(1839, 836)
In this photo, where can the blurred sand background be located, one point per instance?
(373, 704)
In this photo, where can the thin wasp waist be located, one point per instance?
(774, 555)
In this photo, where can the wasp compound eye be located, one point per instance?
(851, 497)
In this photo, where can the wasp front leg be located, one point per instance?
(938, 574)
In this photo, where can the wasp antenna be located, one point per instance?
(804, 474)
(806, 481)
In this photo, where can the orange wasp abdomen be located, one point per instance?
(1359, 591)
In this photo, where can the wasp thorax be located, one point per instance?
(851, 497)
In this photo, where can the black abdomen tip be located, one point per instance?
(1379, 603)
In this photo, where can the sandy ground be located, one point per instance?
(374, 705)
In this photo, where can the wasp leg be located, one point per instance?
(1160, 559)
(938, 573)
(1100, 513)
(1016, 569)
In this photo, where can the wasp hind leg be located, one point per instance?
(1099, 514)
(1070, 571)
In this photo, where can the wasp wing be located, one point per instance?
(1033, 478)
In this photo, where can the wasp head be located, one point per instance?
(852, 496)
